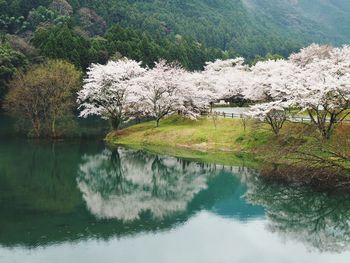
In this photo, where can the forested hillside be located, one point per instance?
(34, 31)
(191, 32)
(90, 19)
(316, 20)
(217, 23)
(248, 26)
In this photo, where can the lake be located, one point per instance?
(83, 202)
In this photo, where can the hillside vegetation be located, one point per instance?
(224, 24)
(249, 26)
(326, 20)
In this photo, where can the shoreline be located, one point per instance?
(226, 142)
(221, 158)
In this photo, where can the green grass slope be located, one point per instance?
(206, 134)
(221, 141)
(297, 154)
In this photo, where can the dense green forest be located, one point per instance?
(80, 35)
(225, 24)
(34, 31)
(84, 32)
(191, 32)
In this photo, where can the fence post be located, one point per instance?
(232, 116)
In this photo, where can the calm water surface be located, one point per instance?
(82, 202)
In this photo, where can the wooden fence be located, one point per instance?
(301, 119)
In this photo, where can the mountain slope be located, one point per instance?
(332, 15)
(218, 23)
(317, 20)
(248, 26)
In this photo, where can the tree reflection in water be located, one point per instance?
(124, 184)
(40, 202)
(320, 220)
(41, 205)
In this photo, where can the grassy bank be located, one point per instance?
(221, 135)
(219, 141)
(298, 154)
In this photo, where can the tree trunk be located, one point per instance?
(115, 123)
(276, 123)
(36, 127)
(53, 127)
(325, 129)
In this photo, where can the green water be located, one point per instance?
(82, 202)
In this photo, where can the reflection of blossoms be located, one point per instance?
(319, 220)
(247, 176)
(123, 184)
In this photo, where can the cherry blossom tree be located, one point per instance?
(227, 78)
(160, 90)
(198, 93)
(270, 81)
(109, 91)
(270, 84)
(273, 113)
(323, 88)
(311, 53)
(316, 80)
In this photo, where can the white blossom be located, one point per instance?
(316, 80)
(108, 90)
(159, 90)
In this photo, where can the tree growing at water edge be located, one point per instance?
(322, 86)
(43, 97)
(108, 91)
(160, 90)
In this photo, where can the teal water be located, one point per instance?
(82, 202)
(79, 128)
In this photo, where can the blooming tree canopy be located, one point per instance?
(311, 53)
(322, 87)
(159, 90)
(109, 91)
(315, 80)
(227, 78)
(274, 113)
(270, 81)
